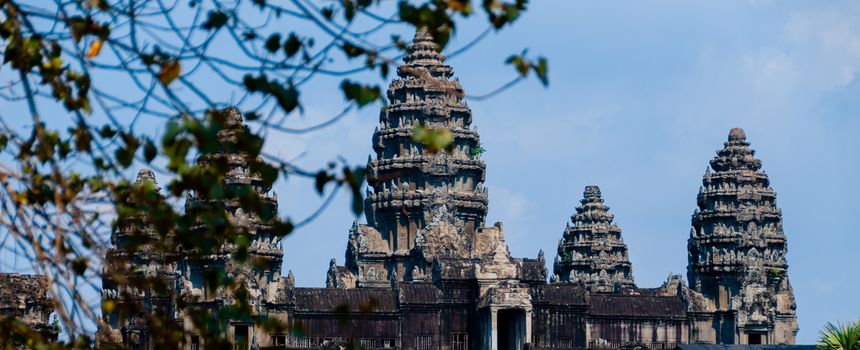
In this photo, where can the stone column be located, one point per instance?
(494, 328)
(528, 325)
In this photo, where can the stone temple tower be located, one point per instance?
(737, 250)
(184, 274)
(133, 255)
(412, 191)
(265, 246)
(592, 251)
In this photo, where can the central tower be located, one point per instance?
(420, 204)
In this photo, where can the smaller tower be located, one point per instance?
(239, 176)
(592, 251)
(138, 251)
(737, 250)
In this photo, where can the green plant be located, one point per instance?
(839, 337)
(476, 151)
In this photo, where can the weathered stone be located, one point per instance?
(26, 298)
(592, 251)
(737, 248)
(424, 273)
(420, 204)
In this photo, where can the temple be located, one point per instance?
(591, 251)
(426, 272)
(420, 205)
(27, 298)
(737, 250)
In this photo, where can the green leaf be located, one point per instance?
(106, 132)
(292, 45)
(348, 10)
(79, 265)
(433, 139)
(321, 178)
(327, 12)
(149, 151)
(124, 156)
(287, 96)
(523, 66)
(361, 94)
(541, 71)
(282, 228)
(273, 43)
(355, 178)
(216, 20)
(351, 50)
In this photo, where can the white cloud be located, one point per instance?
(816, 52)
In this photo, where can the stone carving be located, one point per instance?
(737, 236)
(507, 294)
(419, 204)
(26, 298)
(425, 258)
(592, 251)
(184, 275)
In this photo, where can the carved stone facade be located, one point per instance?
(420, 204)
(737, 249)
(26, 298)
(592, 251)
(424, 273)
(141, 262)
(184, 276)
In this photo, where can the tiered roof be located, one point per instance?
(413, 190)
(238, 173)
(737, 221)
(407, 179)
(737, 236)
(592, 251)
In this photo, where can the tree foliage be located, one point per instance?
(839, 337)
(94, 88)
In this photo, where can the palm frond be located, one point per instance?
(839, 337)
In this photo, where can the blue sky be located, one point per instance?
(641, 96)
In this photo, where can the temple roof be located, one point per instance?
(592, 209)
(145, 175)
(626, 306)
(592, 250)
(736, 154)
(367, 300)
(424, 53)
(419, 293)
(560, 294)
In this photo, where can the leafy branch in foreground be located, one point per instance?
(94, 89)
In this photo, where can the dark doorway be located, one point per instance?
(195, 342)
(241, 337)
(511, 327)
(754, 338)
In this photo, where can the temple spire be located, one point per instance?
(737, 247)
(592, 251)
(239, 177)
(423, 56)
(736, 154)
(145, 175)
(442, 187)
(422, 36)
